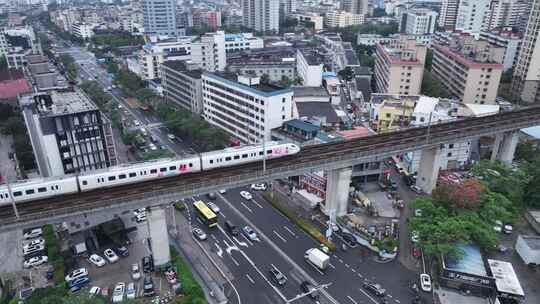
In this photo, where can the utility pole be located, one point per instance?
(428, 127)
(10, 193)
(299, 296)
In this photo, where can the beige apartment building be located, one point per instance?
(469, 69)
(399, 66)
(343, 19)
(526, 81)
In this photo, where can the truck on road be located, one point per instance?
(317, 258)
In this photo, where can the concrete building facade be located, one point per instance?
(153, 54)
(309, 68)
(418, 22)
(399, 66)
(82, 30)
(242, 42)
(509, 40)
(159, 17)
(469, 69)
(261, 15)
(473, 16)
(448, 14)
(244, 107)
(338, 19)
(209, 52)
(182, 85)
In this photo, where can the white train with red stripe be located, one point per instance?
(135, 173)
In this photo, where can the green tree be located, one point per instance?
(48, 295)
(285, 81)
(429, 59)
(265, 78)
(346, 74)
(145, 95)
(526, 151)
(3, 63)
(432, 86)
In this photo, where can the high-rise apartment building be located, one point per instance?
(340, 19)
(399, 66)
(261, 15)
(469, 69)
(507, 13)
(68, 133)
(355, 6)
(209, 52)
(245, 107)
(418, 22)
(182, 85)
(473, 16)
(160, 17)
(526, 81)
(448, 14)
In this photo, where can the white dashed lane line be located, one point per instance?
(279, 236)
(352, 300)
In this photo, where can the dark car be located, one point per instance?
(308, 287)
(148, 264)
(277, 277)
(233, 230)
(78, 282)
(122, 250)
(148, 286)
(375, 289)
(349, 239)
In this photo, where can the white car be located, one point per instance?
(94, 291)
(139, 211)
(77, 273)
(35, 261)
(213, 207)
(33, 233)
(135, 271)
(97, 260)
(508, 229)
(118, 292)
(141, 217)
(425, 282)
(416, 189)
(136, 123)
(261, 187)
(152, 147)
(130, 291)
(246, 195)
(223, 191)
(110, 255)
(171, 136)
(250, 234)
(32, 249)
(414, 237)
(36, 242)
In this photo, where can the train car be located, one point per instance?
(240, 155)
(37, 189)
(130, 174)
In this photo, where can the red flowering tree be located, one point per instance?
(465, 195)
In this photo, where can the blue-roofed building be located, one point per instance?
(242, 42)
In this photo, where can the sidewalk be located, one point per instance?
(205, 271)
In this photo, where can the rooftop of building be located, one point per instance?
(302, 125)
(355, 132)
(57, 103)
(36, 58)
(533, 241)
(504, 32)
(398, 55)
(532, 132)
(301, 91)
(309, 110)
(312, 56)
(364, 85)
(265, 89)
(506, 279)
(470, 261)
(469, 51)
(379, 98)
(240, 36)
(180, 65)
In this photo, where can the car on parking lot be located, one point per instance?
(375, 289)
(122, 251)
(170, 275)
(246, 195)
(213, 207)
(416, 189)
(425, 282)
(136, 123)
(94, 291)
(35, 242)
(223, 191)
(35, 261)
(130, 291)
(110, 255)
(77, 273)
(414, 236)
(250, 234)
(211, 196)
(277, 277)
(260, 187)
(199, 234)
(31, 250)
(34, 233)
(118, 292)
(97, 260)
(139, 211)
(78, 282)
(308, 287)
(508, 229)
(171, 136)
(148, 264)
(135, 271)
(148, 286)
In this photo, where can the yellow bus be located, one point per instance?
(207, 216)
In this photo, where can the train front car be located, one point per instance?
(281, 150)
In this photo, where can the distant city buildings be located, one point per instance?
(160, 17)
(418, 22)
(448, 14)
(82, 30)
(261, 15)
(153, 54)
(472, 16)
(509, 40)
(309, 68)
(208, 51)
(338, 19)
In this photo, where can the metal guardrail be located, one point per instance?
(163, 197)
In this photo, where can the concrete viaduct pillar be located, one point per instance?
(158, 236)
(505, 146)
(428, 172)
(337, 191)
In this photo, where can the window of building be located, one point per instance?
(449, 154)
(451, 146)
(388, 115)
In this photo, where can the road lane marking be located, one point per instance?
(234, 261)
(223, 215)
(258, 205)
(220, 251)
(242, 203)
(340, 260)
(347, 265)
(330, 264)
(279, 236)
(352, 300)
(214, 237)
(367, 295)
(398, 301)
(249, 242)
(290, 231)
(240, 242)
(250, 279)
(353, 270)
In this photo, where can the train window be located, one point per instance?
(153, 171)
(121, 176)
(1, 196)
(132, 174)
(172, 168)
(41, 189)
(30, 191)
(17, 193)
(162, 169)
(190, 165)
(56, 186)
(244, 155)
(261, 153)
(111, 178)
(237, 157)
(228, 158)
(268, 151)
(211, 161)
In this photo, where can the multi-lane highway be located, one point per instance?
(283, 245)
